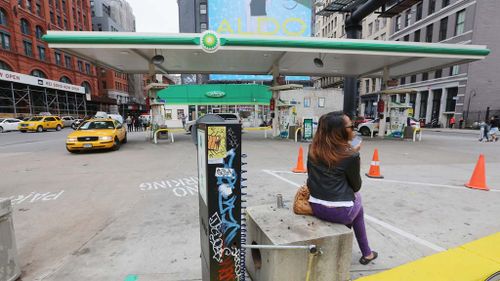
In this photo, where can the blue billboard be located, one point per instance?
(260, 18)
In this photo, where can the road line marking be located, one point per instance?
(427, 184)
(377, 221)
(402, 182)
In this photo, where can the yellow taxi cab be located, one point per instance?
(101, 133)
(41, 123)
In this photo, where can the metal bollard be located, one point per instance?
(279, 201)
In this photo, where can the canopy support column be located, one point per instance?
(351, 94)
(276, 95)
(385, 100)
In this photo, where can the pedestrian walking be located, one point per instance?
(183, 119)
(334, 180)
(145, 123)
(129, 123)
(492, 133)
(452, 122)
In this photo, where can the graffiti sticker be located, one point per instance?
(216, 145)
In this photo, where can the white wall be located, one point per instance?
(334, 99)
(176, 121)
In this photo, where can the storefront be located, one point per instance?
(250, 101)
(24, 95)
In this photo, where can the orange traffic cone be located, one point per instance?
(300, 162)
(375, 167)
(478, 179)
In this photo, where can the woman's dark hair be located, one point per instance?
(331, 142)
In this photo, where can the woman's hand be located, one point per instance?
(357, 148)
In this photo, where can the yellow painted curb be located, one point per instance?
(474, 261)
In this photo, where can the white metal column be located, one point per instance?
(418, 102)
(442, 108)
(428, 113)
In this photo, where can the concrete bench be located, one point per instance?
(268, 225)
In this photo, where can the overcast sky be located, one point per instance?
(156, 15)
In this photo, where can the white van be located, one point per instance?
(102, 114)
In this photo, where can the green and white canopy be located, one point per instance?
(211, 53)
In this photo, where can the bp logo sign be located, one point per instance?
(210, 42)
(215, 94)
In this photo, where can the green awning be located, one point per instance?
(216, 94)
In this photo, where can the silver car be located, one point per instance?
(68, 121)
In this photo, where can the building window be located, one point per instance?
(38, 73)
(3, 17)
(418, 15)
(398, 23)
(428, 33)
(432, 6)
(88, 88)
(438, 73)
(28, 5)
(65, 79)
(455, 70)
(307, 102)
(65, 24)
(59, 21)
(413, 78)
(28, 48)
(402, 81)
(25, 27)
(68, 62)
(367, 86)
(5, 66)
(80, 66)
(52, 18)
(370, 29)
(425, 76)
(203, 27)
(57, 4)
(321, 102)
(443, 29)
(408, 17)
(57, 57)
(38, 9)
(38, 32)
(87, 68)
(417, 36)
(460, 24)
(41, 53)
(104, 85)
(446, 3)
(406, 38)
(5, 37)
(203, 9)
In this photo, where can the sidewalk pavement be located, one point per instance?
(453, 131)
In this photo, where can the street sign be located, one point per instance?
(308, 129)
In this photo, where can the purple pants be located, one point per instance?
(350, 217)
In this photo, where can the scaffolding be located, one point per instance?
(17, 99)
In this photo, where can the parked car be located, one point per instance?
(68, 120)
(9, 124)
(41, 123)
(99, 133)
(366, 128)
(360, 120)
(227, 116)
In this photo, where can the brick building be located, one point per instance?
(22, 50)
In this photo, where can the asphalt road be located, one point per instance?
(105, 215)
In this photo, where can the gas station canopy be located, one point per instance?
(212, 53)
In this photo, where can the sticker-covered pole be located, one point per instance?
(220, 200)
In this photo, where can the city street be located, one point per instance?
(109, 215)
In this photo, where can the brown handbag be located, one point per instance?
(301, 204)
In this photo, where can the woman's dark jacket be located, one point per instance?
(337, 183)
